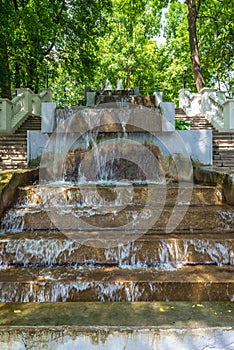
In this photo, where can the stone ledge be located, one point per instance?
(222, 178)
(11, 181)
(95, 326)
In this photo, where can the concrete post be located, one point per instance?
(6, 108)
(91, 98)
(46, 95)
(195, 104)
(228, 115)
(168, 113)
(27, 101)
(205, 102)
(184, 101)
(158, 98)
(47, 116)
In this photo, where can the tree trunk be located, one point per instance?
(195, 56)
(17, 75)
(5, 82)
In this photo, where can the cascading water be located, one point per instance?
(94, 145)
(95, 227)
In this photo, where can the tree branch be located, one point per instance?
(199, 5)
(15, 5)
(215, 20)
(57, 21)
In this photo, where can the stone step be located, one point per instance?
(97, 195)
(179, 110)
(224, 157)
(13, 166)
(124, 326)
(32, 123)
(45, 248)
(12, 151)
(223, 152)
(228, 143)
(189, 283)
(13, 141)
(12, 136)
(12, 154)
(100, 222)
(223, 164)
(220, 134)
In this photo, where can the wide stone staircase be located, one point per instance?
(13, 148)
(223, 149)
(73, 275)
(223, 142)
(116, 265)
(70, 243)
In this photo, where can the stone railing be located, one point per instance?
(13, 113)
(211, 103)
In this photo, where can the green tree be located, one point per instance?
(212, 47)
(41, 34)
(5, 80)
(216, 37)
(128, 48)
(193, 11)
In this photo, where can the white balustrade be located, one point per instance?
(13, 113)
(211, 103)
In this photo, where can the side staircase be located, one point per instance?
(223, 142)
(13, 148)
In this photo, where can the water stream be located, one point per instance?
(95, 226)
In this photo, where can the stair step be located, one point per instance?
(105, 326)
(189, 283)
(12, 137)
(45, 248)
(155, 316)
(132, 218)
(13, 166)
(88, 195)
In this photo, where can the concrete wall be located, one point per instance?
(196, 144)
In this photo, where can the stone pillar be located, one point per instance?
(6, 108)
(205, 102)
(158, 98)
(86, 90)
(27, 100)
(184, 101)
(91, 98)
(228, 115)
(46, 95)
(47, 116)
(36, 105)
(195, 104)
(168, 114)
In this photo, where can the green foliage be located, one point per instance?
(43, 36)
(67, 44)
(181, 124)
(216, 36)
(128, 48)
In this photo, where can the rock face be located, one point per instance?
(129, 162)
(9, 192)
(223, 179)
(110, 117)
